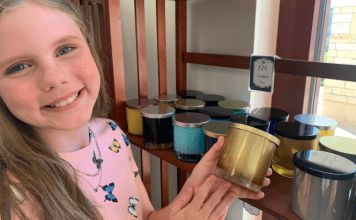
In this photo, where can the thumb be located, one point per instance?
(182, 200)
(214, 152)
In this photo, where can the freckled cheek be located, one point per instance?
(19, 97)
(88, 73)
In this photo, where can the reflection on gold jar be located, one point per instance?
(246, 156)
(282, 161)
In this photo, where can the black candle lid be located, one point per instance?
(140, 103)
(157, 111)
(272, 114)
(211, 98)
(296, 130)
(248, 119)
(324, 165)
(190, 119)
(189, 104)
(191, 94)
(215, 129)
(166, 98)
(216, 112)
(319, 121)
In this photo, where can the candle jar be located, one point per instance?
(189, 94)
(250, 120)
(166, 100)
(211, 100)
(273, 115)
(322, 183)
(212, 131)
(246, 156)
(294, 137)
(133, 114)
(326, 125)
(343, 146)
(237, 106)
(189, 136)
(158, 127)
(217, 113)
(188, 105)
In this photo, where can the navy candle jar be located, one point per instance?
(158, 127)
(217, 113)
(188, 105)
(250, 120)
(189, 136)
(237, 106)
(274, 115)
(212, 131)
(189, 94)
(211, 100)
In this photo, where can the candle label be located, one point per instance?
(262, 73)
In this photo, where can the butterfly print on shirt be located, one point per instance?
(113, 125)
(132, 208)
(115, 146)
(109, 188)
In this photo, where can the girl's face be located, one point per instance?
(45, 60)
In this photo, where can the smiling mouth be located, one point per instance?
(64, 103)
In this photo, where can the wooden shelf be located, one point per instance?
(278, 195)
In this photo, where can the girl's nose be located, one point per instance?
(53, 76)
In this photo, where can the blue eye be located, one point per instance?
(66, 49)
(17, 68)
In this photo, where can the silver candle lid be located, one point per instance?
(157, 111)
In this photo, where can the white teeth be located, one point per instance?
(64, 103)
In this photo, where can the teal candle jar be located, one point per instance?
(188, 136)
(237, 106)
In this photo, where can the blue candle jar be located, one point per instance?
(237, 106)
(189, 94)
(250, 120)
(212, 131)
(188, 136)
(188, 105)
(273, 115)
(217, 113)
(211, 100)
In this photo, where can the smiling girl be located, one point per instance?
(60, 157)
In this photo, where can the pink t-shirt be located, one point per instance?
(117, 195)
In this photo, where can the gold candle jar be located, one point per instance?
(133, 114)
(166, 99)
(246, 156)
(294, 137)
(326, 125)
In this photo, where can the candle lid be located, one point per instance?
(158, 111)
(344, 145)
(189, 94)
(140, 103)
(255, 131)
(235, 105)
(211, 98)
(190, 119)
(216, 112)
(296, 130)
(319, 121)
(189, 104)
(166, 98)
(249, 119)
(215, 129)
(272, 114)
(324, 165)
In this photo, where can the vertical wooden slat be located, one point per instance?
(142, 82)
(76, 2)
(181, 67)
(116, 61)
(164, 184)
(95, 19)
(85, 8)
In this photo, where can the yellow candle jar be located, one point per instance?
(166, 99)
(294, 137)
(326, 125)
(246, 155)
(133, 114)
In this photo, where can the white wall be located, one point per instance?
(218, 27)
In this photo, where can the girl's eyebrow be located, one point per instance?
(61, 40)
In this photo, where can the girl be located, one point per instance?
(60, 157)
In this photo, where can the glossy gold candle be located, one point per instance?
(246, 155)
(294, 137)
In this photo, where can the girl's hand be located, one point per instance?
(199, 205)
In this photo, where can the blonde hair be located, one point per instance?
(38, 169)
